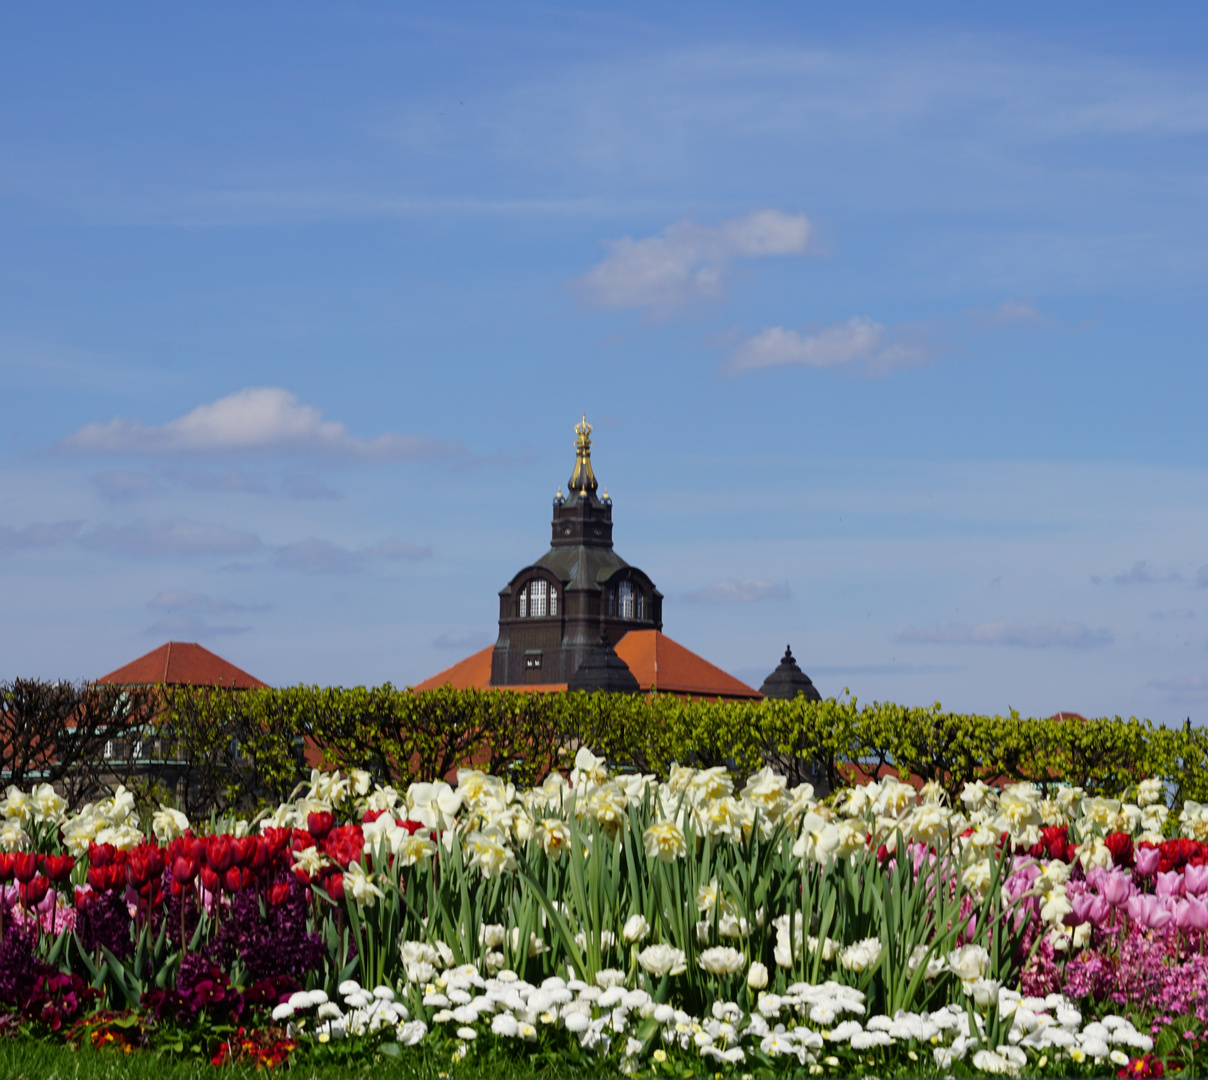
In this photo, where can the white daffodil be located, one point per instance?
(168, 824)
(664, 841)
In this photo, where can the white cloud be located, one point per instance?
(184, 615)
(1188, 690)
(179, 599)
(126, 486)
(307, 487)
(176, 538)
(1011, 313)
(40, 535)
(266, 419)
(687, 261)
(859, 340)
(226, 481)
(315, 556)
(1010, 632)
(749, 591)
(1140, 574)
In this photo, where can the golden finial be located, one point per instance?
(582, 480)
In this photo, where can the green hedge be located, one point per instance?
(244, 747)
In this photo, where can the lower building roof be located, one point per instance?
(182, 663)
(657, 662)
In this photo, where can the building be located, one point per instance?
(182, 663)
(581, 615)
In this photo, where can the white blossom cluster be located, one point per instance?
(365, 1012)
(809, 1023)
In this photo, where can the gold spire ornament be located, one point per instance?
(583, 480)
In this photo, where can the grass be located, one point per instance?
(23, 1058)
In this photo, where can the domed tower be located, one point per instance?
(552, 614)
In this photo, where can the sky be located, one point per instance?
(889, 321)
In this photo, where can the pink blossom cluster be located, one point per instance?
(1147, 945)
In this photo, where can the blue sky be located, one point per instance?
(890, 323)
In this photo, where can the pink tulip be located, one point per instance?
(1195, 880)
(1169, 883)
(1149, 911)
(1147, 861)
(1116, 888)
(1088, 907)
(1159, 915)
(1191, 915)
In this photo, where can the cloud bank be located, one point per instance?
(688, 262)
(185, 614)
(315, 556)
(174, 538)
(266, 419)
(750, 591)
(1010, 632)
(859, 342)
(38, 535)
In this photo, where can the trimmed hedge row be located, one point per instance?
(214, 749)
(245, 747)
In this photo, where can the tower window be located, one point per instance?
(627, 600)
(553, 600)
(538, 598)
(524, 603)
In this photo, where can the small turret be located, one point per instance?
(788, 680)
(602, 670)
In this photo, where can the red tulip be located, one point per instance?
(1121, 846)
(25, 865)
(210, 880)
(236, 878)
(58, 867)
(34, 890)
(6, 866)
(278, 894)
(101, 854)
(335, 886)
(184, 869)
(220, 853)
(319, 824)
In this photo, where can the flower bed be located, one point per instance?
(636, 925)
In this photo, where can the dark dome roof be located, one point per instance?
(788, 680)
(602, 670)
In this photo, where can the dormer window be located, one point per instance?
(628, 603)
(538, 599)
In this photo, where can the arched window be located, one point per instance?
(553, 600)
(627, 592)
(538, 598)
(524, 603)
(641, 605)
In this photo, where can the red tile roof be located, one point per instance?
(655, 660)
(658, 662)
(474, 673)
(182, 663)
